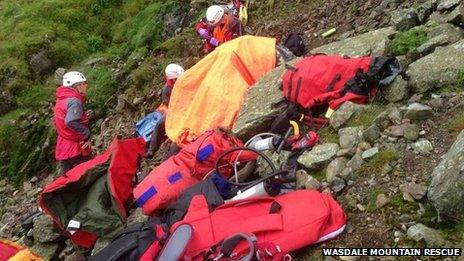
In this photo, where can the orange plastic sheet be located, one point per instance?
(13, 251)
(211, 93)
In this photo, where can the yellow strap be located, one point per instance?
(243, 15)
(296, 128)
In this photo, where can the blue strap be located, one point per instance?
(146, 196)
(205, 152)
(175, 177)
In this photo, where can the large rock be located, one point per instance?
(350, 137)
(422, 146)
(371, 43)
(344, 113)
(417, 191)
(456, 16)
(44, 230)
(417, 111)
(437, 70)
(446, 191)
(319, 156)
(404, 19)
(398, 90)
(372, 133)
(440, 35)
(431, 236)
(445, 5)
(257, 111)
(425, 10)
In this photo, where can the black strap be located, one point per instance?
(297, 91)
(337, 77)
(275, 208)
(289, 92)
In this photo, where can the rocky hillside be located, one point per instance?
(394, 164)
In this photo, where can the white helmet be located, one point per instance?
(173, 71)
(71, 78)
(214, 14)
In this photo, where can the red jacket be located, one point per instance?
(232, 28)
(68, 140)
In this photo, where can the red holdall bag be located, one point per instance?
(319, 79)
(166, 182)
(287, 222)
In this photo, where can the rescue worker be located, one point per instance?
(71, 122)
(218, 27)
(173, 72)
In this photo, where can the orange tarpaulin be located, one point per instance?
(211, 93)
(12, 251)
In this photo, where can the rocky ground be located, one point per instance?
(379, 160)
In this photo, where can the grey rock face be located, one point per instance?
(446, 190)
(319, 156)
(44, 230)
(350, 137)
(257, 113)
(404, 19)
(344, 113)
(431, 236)
(396, 91)
(371, 43)
(417, 111)
(39, 62)
(335, 168)
(313, 183)
(438, 69)
(356, 162)
(424, 11)
(372, 133)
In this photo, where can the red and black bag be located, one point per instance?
(166, 182)
(328, 81)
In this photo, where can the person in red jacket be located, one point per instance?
(218, 27)
(71, 122)
(173, 72)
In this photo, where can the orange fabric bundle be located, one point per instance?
(13, 251)
(211, 93)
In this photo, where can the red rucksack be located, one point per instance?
(166, 182)
(287, 222)
(320, 80)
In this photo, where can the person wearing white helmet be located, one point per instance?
(219, 26)
(173, 72)
(71, 121)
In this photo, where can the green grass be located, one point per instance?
(402, 205)
(407, 41)
(367, 116)
(376, 164)
(327, 135)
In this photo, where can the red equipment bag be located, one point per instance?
(287, 222)
(89, 200)
(320, 79)
(166, 182)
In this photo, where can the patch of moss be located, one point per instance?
(407, 41)
(372, 199)
(376, 164)
(102, 87)
(367, 116)
(402, 205)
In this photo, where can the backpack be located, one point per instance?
(294, 42)
(145, 126)
(324, 80)
(143, 241)
(166, 182)
(288, 222)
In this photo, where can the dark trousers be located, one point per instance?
(70, 163)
